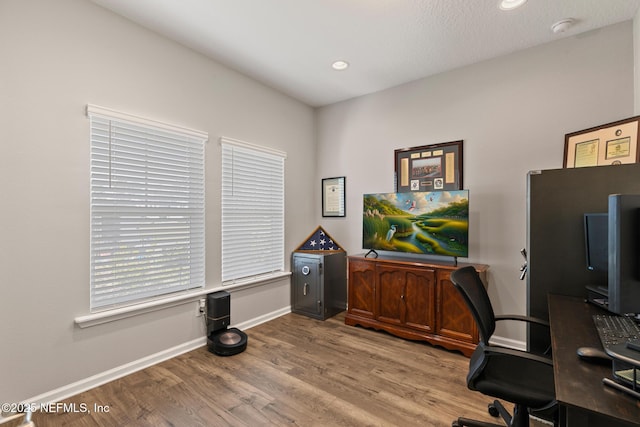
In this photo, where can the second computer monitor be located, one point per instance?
(624, 256)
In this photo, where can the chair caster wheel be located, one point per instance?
(493, 411)
(455, 424)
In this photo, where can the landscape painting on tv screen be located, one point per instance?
(435, 222)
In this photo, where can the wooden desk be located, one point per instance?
(584, 400)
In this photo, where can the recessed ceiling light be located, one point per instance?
(340, 65)
(511, 4)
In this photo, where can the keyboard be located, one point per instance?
(614, 329)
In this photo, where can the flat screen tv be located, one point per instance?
(433, 223)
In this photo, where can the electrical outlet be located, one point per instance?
(202, 306)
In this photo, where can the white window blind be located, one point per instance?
(252, 211)
(147, 209)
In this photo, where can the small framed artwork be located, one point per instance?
(611, 144)
(333, 192)
(429, 167)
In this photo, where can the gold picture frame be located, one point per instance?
(610, 144)
(435, 167)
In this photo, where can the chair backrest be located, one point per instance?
(467, 281)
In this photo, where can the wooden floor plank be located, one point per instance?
(296, 371)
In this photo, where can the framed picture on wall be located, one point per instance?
(429, 167)
(333, 192)
(611, 144)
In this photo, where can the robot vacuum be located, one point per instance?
(227, 342)
(222, 340)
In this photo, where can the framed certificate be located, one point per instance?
(611, 144)
(429, 167)
(333, 192)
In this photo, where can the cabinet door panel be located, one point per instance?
(455, 319)
(419, 299)
(390, 294)
(407, 297)
(361, 300)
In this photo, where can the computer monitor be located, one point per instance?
(596, 242)
(624, 256)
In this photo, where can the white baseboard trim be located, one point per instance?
(85, 384)
(263, 319)
(112, 374)
(509, 343)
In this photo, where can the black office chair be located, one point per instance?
(523, 378)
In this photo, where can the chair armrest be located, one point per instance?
(492, 350)
(527, 319)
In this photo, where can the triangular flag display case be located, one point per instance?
(319, 241)
(319, 279)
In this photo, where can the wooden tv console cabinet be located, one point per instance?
(411, 299)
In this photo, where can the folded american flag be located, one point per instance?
(319, 240)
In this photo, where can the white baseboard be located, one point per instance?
(112, 374)
(509, 343)
(85, 384)
(262, 319)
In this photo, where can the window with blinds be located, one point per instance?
(252, 211)
(147, 209)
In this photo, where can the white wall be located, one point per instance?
(55, 58)
(512, 113)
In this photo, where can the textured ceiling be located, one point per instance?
(290, 44)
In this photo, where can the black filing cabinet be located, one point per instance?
(319, 283)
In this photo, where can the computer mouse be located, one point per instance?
(593, 354)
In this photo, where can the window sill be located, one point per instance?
(107, 316)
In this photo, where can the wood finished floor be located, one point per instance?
(296, 371)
